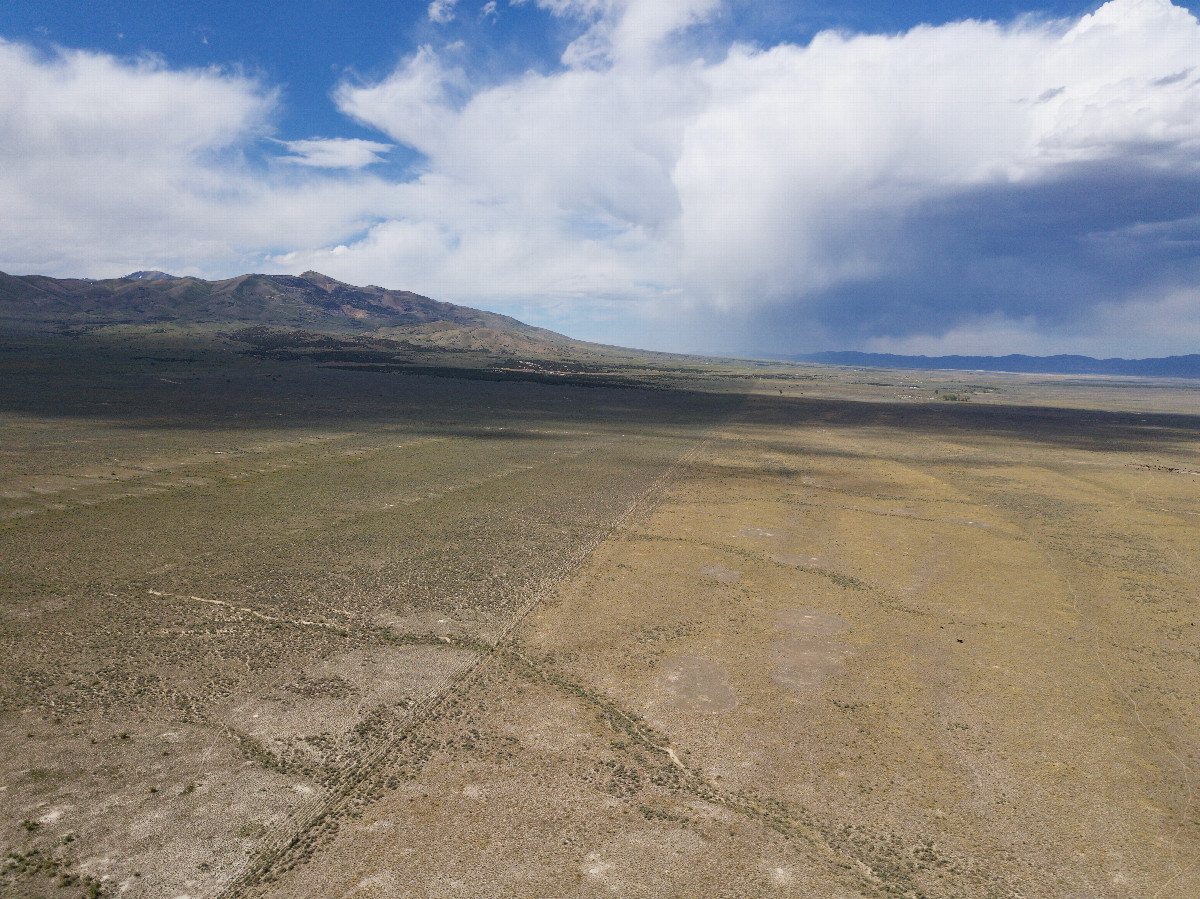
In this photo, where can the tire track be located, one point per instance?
(340, 798)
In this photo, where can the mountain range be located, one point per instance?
(1163, 367)
(311, 302)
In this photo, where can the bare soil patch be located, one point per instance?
(720, 574)
(696, 684)
(802, 664)
(809, 623)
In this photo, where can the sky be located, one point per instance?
(719, 176)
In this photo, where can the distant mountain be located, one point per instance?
(311, 301)
(149, 276)
(1165, 367)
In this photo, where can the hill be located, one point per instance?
(1165, 367)
(308, 318)
(312, 302)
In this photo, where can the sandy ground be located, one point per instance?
(515, 641)
(966, 671)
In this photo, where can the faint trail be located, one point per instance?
(1155, 738)
(665, 748)
(341, 794)
(199, 469)
(245, 610)
(789, 820)
(1187, 772)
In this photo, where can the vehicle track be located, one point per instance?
(348, 791)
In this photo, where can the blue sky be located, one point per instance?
(307, 48)
(680, 174)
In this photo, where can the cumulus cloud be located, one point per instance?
(822, 157)
(107, 163)
(1028, 185)
(827, 183)
(335, 153)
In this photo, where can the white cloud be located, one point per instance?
(76, 105)
(442, 11)
(764, 186)
(414, 105)
(335, 153)
(625, 30)
(772, 176)
(643, 24)
(107, 163)
(789, 176)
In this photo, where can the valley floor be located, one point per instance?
(275, 630)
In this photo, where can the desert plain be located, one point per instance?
(273, 627)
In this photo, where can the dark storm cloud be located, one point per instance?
(1050, 250)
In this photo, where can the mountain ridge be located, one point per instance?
(307, 299)
(310, 301)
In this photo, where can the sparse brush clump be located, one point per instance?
(33, 864)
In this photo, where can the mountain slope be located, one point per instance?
(310, 301)
(278, 299)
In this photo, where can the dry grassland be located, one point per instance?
(275, 630)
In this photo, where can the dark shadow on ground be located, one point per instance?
(1086, 429)
(143, 385)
